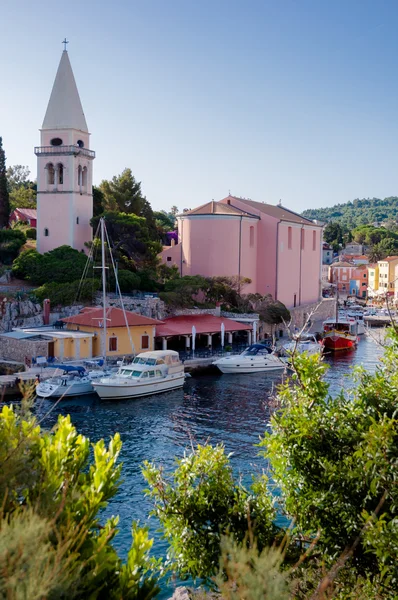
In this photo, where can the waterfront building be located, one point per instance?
(349, 279)
(26, 345)
(64, 168)
(140, 329)
(208, 329)
(373, 278)
(387, 277)
(277, 249)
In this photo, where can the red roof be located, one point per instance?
(182, 325)
(115, 318)
(29, 213)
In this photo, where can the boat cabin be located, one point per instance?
(344, 326)
(257, 350)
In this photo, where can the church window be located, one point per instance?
(50, 174)
(46, 232)
(251, 236)
(80, 143)
(302, 239)
(289, 238)
(77, 220)
(314, 240)
(84, 177)
(79, 176)
(60, 170)
(56, 142)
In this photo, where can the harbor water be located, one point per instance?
(233, 409)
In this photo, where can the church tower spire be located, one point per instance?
(64, 168)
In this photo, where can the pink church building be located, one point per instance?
(64, 168)
(280, 251)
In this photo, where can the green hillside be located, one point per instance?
(358, 212)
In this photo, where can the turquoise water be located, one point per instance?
(233, 409)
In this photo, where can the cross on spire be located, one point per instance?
(65, 42)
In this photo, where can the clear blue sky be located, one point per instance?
(283, 99)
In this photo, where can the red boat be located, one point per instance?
(340, 334)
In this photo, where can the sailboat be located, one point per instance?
(149, 372)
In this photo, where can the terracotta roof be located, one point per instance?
(342, 264)
(115, 318)
(182, 325)
(217, 208)
(389, 259)
(278, 212)
(30, 213)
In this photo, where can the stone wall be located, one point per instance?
(18, 350)
(325, 309)
(147, 306)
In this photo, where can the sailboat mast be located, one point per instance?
(103, 286)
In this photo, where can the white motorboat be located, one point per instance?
(255, 359)
(304, 343)
(149, 373)
(72, 381)
(357, 314)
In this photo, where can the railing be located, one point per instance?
(75, 150)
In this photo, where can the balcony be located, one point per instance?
(63, 150)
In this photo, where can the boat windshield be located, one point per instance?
(336, 327)
(256, 350)
(130, 373)
(139, 360)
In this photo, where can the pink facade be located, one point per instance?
(278, 250)
(64, 168)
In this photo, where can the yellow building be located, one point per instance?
(121, 340)
(373, 277)
(387, 274)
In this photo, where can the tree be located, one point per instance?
(123, 194)
(11, 241)
(4, 195)
(61, 265)
(132, 243)
(174, 211)
(98, 202)
(200, 502)
(272, 311)
(335, 462)
(53, 487)
(22, 191)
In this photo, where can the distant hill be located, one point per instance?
(358, 212)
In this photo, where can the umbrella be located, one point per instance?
(254, 332)
(193, 338)
(222, 334)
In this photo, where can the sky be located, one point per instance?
(292, 100)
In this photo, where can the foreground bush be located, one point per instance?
(52, 544)
(65, 294)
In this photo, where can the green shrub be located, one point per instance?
(52, 544)
(65, 294)
(61, 265)
(11, 241)
(200, 502)
(31, 233)
(128, 281)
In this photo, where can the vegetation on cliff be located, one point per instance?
(357, 212)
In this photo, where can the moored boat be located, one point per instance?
(72, 381)
(149, 373)
(304, 343)
(255, 359)
(340, 334)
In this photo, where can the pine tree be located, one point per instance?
(4, 198)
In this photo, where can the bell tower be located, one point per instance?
(64, 168)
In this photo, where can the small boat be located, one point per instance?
(72, 381)
(357, 314)
(149, 373)
(255, 359)
(340, 334)
(304, 343)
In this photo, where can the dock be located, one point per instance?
(378, 321)
(10, 385)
